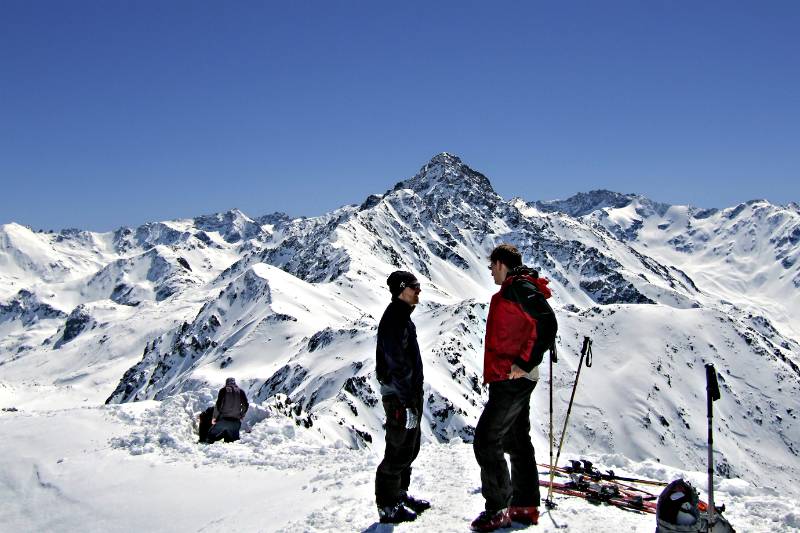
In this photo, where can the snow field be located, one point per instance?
(138, 467)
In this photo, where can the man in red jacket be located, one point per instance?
(520, 328)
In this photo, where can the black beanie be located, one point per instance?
(399, 280)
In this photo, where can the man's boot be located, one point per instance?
(524, 515)
(396, 514)
(413, 503)
(491, 520)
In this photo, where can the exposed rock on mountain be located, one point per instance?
(28, 309)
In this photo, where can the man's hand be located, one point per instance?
(213, 421)
(516, 372)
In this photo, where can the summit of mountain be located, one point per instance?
(445, 174)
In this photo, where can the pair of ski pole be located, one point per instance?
(586, 352)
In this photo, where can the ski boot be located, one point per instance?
(524, 515)
(491, 520)
(413, 503)
(396, 514)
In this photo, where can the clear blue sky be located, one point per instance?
(120, 112)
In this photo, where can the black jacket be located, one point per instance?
(231, 403)
(399, 363)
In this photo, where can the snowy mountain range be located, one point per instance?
(289, 306)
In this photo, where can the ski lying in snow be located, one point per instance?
(586, 481)
(608, 493)
(587, 468)
(580, 480)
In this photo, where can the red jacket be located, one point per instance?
(511, 330)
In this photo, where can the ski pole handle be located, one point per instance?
(586, 350)
(711, 382)
(712, 387)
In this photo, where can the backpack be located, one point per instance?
(536, 305)
(679, 510)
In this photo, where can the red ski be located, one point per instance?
(608, 493)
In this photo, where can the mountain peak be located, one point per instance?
(445, 158)
(232, 225)
(585, 203)
(446, 173)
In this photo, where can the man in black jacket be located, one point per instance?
(399, 371)
(229, 411)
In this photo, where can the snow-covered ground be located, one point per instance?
(138, 467)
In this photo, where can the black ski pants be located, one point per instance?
(225, 428)
(402, 447)
(504, 427)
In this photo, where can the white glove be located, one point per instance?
(411, 418)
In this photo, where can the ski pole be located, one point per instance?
(586, 351)
(553, 359)
(712, 394)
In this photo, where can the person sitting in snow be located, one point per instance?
(204, 423)
(229, 411)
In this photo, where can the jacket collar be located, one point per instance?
(402, 307)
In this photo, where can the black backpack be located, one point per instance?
(679, 510)
(677, 506)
